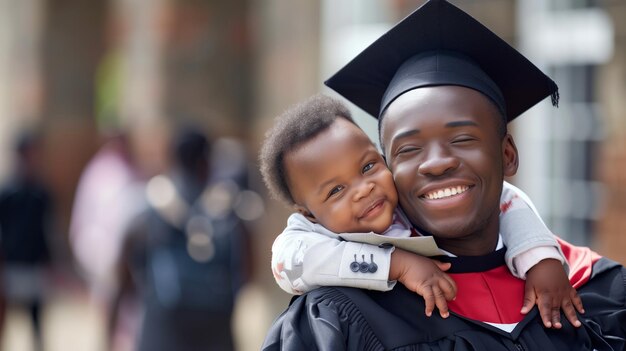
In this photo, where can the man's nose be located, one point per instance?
(439, 161)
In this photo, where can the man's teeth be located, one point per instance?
(447, 192)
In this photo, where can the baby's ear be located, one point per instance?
(306, 213)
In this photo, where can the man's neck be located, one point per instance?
(478, 243)
(499, 245)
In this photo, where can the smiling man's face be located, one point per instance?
(448, 161)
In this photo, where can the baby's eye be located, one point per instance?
(335, 190)
(367, 167)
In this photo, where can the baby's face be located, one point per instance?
(339, 180)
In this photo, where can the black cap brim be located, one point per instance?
(439, 25)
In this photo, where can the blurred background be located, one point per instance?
(91, 93)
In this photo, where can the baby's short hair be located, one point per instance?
(297, 125)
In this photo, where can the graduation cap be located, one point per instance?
(439, 44)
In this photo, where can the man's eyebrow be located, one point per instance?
(405, 134)
(463, 123)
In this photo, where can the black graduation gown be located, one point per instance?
(336, 318)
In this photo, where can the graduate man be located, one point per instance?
(443, 88)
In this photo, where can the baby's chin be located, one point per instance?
(382, 224)
(379, 227)
(380, 231)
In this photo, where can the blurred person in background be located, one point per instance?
(108, 196)
(25, 225)
(187, 255)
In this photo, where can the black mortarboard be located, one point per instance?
(438, 44)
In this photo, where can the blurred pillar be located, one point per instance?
(286, 51)
(72, 45)
(206, 64)
(140, 28)
(182, 60)
(140, 32)
(20, 75)
(611, 85)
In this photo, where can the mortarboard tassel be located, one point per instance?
(555, 97)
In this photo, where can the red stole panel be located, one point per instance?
(581, 260)
(494, 296)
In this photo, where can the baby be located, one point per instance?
(317, 160)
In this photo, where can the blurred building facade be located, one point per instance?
(77, 68)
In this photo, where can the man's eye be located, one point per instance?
(367, 167)
(463, 140)
(335, 190)
(407, 149)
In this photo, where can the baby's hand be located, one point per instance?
(425, 277)
(548, 286)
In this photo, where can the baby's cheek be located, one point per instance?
(340, 219)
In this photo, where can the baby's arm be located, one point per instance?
(306, 256)
(522, 230)
(534, 254)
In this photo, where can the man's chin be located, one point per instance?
(446, 229)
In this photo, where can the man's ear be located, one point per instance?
(510, 159)
(306, 213)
